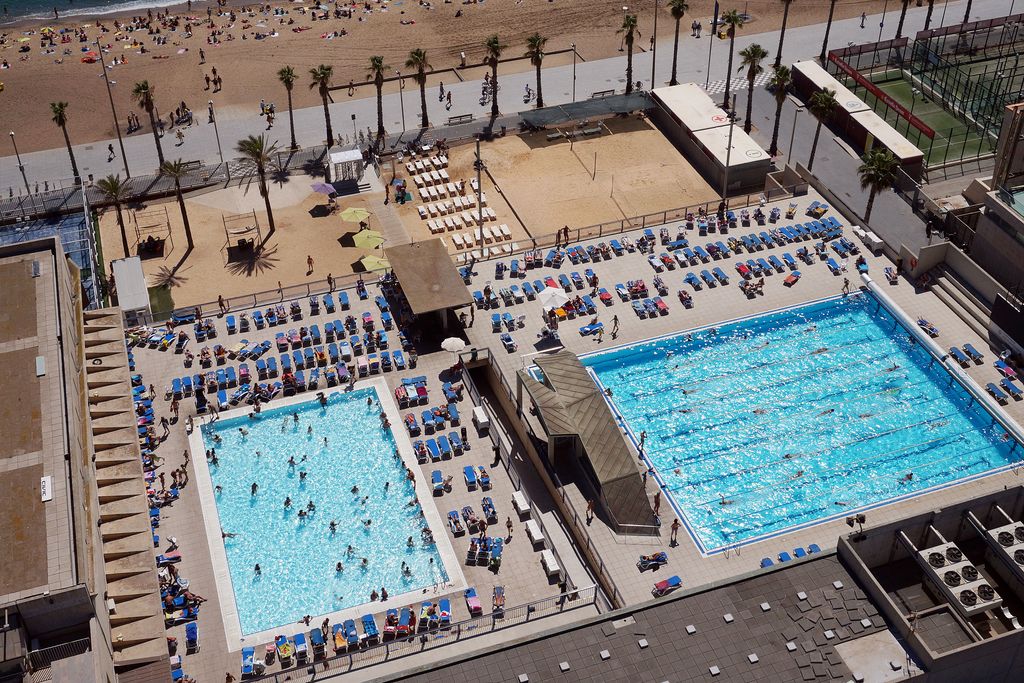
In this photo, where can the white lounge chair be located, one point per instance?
(457, 240)
(452, 189)
(436, 176)
(533, 532)
(449, 224)
(432, 209)
(419, 181)
(505, 231)
(411, 168)
(423, 211)
(487, 234)
(444, 175)
(550, 564)
(432, 191)
(423, 194)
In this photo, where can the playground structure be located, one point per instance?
(242, 234)
(945, 90)
(152, 231)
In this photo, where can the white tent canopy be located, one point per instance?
(344, 165)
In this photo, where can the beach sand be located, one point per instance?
(248, 67)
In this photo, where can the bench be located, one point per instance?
(461, 118)
(602, 93)
(555, 135)
(596, 130)
(550, 564)
(520, 504)
(533, 532)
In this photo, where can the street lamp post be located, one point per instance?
(401, 97)
(216, 131)
(573, 72)
(113, 112)
(796, 114)
(654, 43)
(881, 24)
(622, 43)
(942, 21)
(728, 152)
(21, 166)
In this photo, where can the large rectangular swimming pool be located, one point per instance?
(352, 477)
(786, 419)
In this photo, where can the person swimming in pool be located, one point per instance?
(827, 412)
(295, 417)
(287, 502)
(309, 430)
(760, 411)
(724, 500)
(894, 368)
(822, 349)
(302, 475)
(349, 551)
(339, 567)
(799, 473)
(253, 489)
(291, 461)
(333, 526)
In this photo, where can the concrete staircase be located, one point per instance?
(968, 306)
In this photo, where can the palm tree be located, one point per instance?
(60, 117)
(493, 48)
(287, 77)
(782, 34)
(178, 170)
(629, 29)
(903, 16)
(114, 191)
(750, 59)
(928, 17)
(535, 51)
(876, 174)
(779, 85)
(678, 9)
(734, 20)
(828, 29)
(261, 152)
(321, 76)
(377, 69)
(418, 60)
(822, 104)
(967, 14)
(143, 93)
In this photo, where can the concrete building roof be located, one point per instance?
(428, 277)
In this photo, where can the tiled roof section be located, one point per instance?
(137, 627)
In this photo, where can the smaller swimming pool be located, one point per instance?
(346, 466)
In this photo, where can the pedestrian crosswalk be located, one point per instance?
(738, 83)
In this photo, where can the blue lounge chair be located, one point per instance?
(248, 657)
(975, 355)
(453, 415)
(433, 450)
(692, 280)
(788, 258)
(1011, 388)
(765, 268)
(457, 444)
(316, 641)
(191, 637)
(930, 329)
(329, 302)
(813, 548)
(766, 562)
(720, 274)
(343, 300)
(784, 557)
(470, 476)
(776, 263)
(437, 481)
(707, 278)
(446, 448)
(799, 552)
(587, 330)
(833, 266)
(959, 356)
(564, 282)
(370, 628)
(996, 392)
(667, 586)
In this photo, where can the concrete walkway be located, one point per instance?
(201, 144)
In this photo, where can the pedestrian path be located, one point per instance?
(737, 84)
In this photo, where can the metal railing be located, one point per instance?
(439, 637)
(44, 657)
(596, 563)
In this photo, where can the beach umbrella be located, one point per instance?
(549, 298)
(368, 239)
(354, 214)
(453, 345)
(323, 188)
(371, 263)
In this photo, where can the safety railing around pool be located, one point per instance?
(595, 561)
(433, 638)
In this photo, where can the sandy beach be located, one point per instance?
(248, 65)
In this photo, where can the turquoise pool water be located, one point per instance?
(298, 556)
(797, 416)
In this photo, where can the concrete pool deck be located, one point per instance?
(233, 635)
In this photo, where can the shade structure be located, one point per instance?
(367, 239)
(371, 263)
(354, 214)
(453, 344)
(549, 297)
(323, 188)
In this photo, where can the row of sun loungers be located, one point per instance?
(784, 556)
(426, 165)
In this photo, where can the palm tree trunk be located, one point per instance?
(71, 153)
(494, 92)
(184, 215)
(265, 191)
(327, 121)
(750, 102)
(903, 16)
(773, 149)
(782, 35)
(728, 73)
(675, 54)
(871, 204)
(828, 29)
(928, 17)
(540, 93)
(380, 110)
(156, 136)
(291, 119)
(814, 146)
(967, 14)
(120, 224)
(424, 121)
(629, 66)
